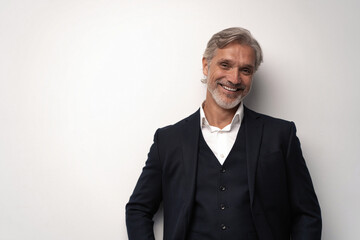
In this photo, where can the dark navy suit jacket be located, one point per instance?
(283, 201)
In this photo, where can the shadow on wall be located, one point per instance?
(257, 96)
(159, 222)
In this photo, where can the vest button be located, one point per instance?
(223, 227)
(222, 206)
(222, 188)
(222, 170)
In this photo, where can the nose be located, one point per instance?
(234, 77)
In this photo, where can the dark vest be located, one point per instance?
(222, 201)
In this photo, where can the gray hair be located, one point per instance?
(229, 35)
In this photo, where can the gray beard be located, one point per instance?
(225, 105)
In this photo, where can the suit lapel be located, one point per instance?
(253, 134)
(189, 144)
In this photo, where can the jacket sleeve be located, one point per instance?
(146, 198)
(305, 210)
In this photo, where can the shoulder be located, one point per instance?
(271, 125)
(274, 130)
(192, 121)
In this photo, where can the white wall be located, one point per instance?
(84, 85)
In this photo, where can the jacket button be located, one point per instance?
(222, 206)
(223, 227)
(222, 170)
(222, 188)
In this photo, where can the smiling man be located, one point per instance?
(226, 172)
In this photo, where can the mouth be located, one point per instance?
(231, 89)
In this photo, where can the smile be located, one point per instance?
(230, 88)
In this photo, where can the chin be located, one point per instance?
(228, 104)
(225, 102)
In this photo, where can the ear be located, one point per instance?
(205, 66)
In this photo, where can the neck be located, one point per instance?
(217, 116)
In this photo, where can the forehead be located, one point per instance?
(236, 52)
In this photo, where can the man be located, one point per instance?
(226, 172)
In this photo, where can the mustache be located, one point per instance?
(227, 83)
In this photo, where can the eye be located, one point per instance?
(224, 65)
(246, 71)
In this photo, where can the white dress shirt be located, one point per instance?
(221, 141)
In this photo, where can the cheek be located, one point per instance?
(216, 73)
(211, 83)
(247, 82)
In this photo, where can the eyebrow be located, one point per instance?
(224, 60)
(231, 61)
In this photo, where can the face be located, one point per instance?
(229, 75)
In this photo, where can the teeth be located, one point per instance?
(230, 89)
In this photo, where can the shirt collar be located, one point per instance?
(239, 114)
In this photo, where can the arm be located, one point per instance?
(305, 209)
(145, 200)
